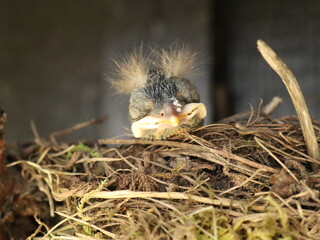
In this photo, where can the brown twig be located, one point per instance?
(297, 98)
(272, 105)
(260, 142)
(191, 147)
(267, 110)
(171, 195)
(77, 126)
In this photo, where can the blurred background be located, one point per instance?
(54, 56)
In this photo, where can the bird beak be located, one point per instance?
(170, 117)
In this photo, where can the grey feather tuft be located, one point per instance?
(135, 69)
(177, 61)
(131, 72)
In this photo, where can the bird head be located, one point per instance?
(163, 102)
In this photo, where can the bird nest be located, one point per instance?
(250, 178)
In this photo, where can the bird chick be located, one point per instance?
(163, 102)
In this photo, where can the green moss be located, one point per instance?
(87, 230)
(83, 148)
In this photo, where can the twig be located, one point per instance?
(77, 126)
(241, 184)
(172, 195)
(296, 96)
(41, 224)
(35, 132)
(109, 234)
(195, 148)
(272, 105)
(265, 111)
(260, 142)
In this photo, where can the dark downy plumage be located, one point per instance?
(163, 102)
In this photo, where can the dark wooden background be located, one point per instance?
(54, 56)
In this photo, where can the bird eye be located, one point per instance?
(134, 113)
(162, 114)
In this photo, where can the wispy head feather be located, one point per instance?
(177, 61)
(131, 72)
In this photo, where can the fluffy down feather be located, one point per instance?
(132, 71)
(177, 61)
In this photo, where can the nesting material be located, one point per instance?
(250, 178)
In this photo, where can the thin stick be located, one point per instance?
(109, 234)
(78, 126)
(195, 148)
(171, 195)
(259, 141)
(272, 106)
(241, 184)
(297, 98)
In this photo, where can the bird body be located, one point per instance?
(163, 102)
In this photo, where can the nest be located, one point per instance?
(246, 179)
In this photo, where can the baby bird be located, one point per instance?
(163, 102)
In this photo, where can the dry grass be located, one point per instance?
(249, 177)
(246, 179)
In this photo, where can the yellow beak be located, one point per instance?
(173, 120)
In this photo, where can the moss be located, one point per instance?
(83, 148)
